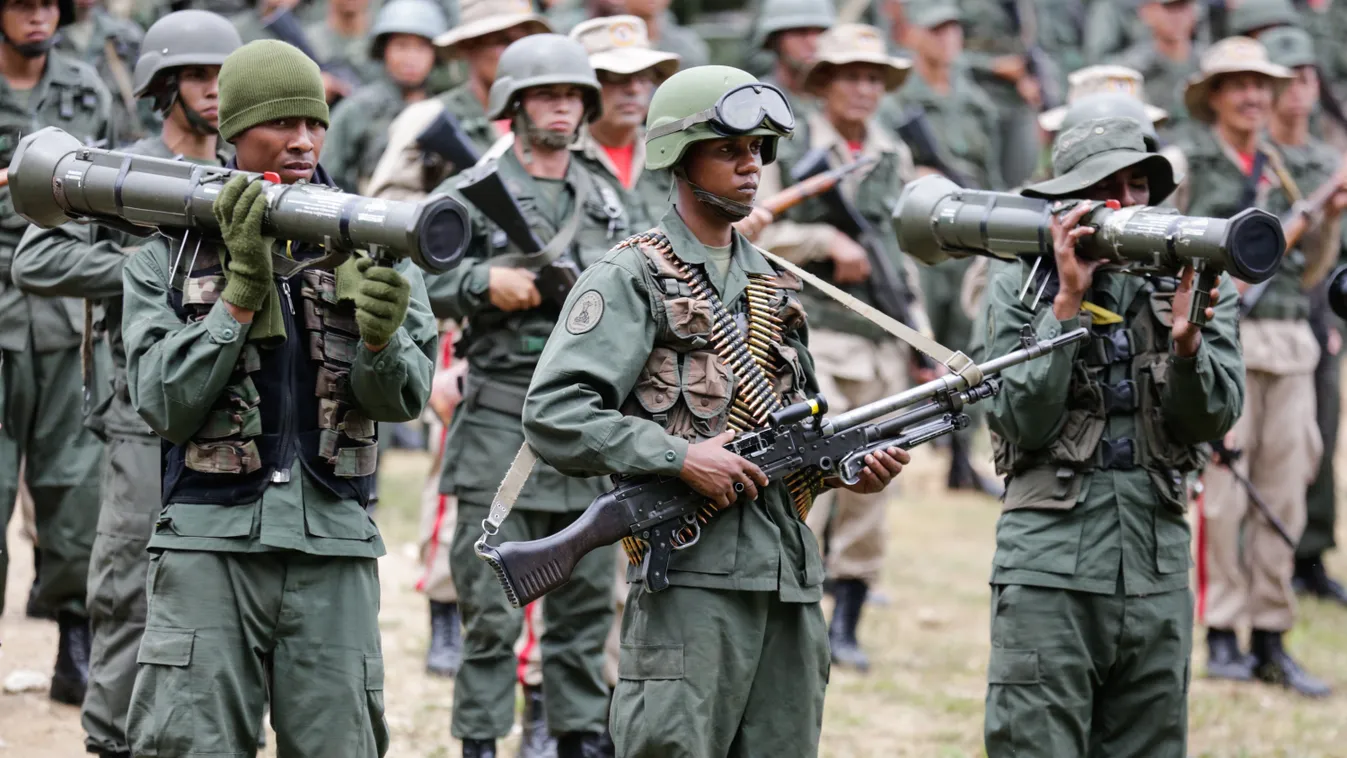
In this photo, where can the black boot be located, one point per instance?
(536, 741)
(446, 641)
(35, 609)
(1312, 578)
(71, 676)
(580, 745)
(479, 749)
(962, 475)
(846, 651)
(1274, 665)
(1224, 658)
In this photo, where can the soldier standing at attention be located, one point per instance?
(177, 73)
(111, 45)
(40, 338)
(547, 90)
(613, 145)
(402, 39)
(1233, 166)
(1091, 615)
(731, 657)
(1167, 56)
(789, 30)
(667, 34)
(486, 28)
(857, 362)
(266, 390)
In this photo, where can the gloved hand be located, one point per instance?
(239, 210)
(381, 302)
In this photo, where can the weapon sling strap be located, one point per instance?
(580, 183)
(123, 79)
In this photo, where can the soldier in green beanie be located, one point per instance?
(265, 379)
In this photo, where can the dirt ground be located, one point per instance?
(923, 697)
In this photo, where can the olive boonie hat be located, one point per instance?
(1085, 154)
(1093, 80)
(478, 18)
(621, 45)
(854, 43)
(1232, 55)
(1289, 46)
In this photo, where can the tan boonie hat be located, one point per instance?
(1093, 80)
(621, 45)
(478, 18)
(1232, 55)
(854, 43)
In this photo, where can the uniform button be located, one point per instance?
(671, 456)
(227, 334)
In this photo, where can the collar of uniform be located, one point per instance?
(689, 249)
(590, 148)
(464, 105)
(1264, 146)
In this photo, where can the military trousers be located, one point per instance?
(43, 416)
(1247, 565)
(118, 569)
(853, 371)
(575, 622)
(1091, 675)
(719, 674)
(1321, 515)
(227, 632)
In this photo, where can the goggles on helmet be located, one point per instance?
(739, 111)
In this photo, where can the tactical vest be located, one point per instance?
(1141, 345)
(699, 380)
(284, 400)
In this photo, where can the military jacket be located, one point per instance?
(335, 49)
(71, 96)
(1096, 439)
(1165, 80)
(627, 382)
(502, 348)
(651, 192)
(804, 234)
(990, 32)
(112, 50)
(358, 133)
(962, 120)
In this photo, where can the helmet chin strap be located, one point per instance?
(168, 95)
(730, 209)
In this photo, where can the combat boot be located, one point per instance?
(479, 749)
(71, 676)
(846, 651)
(1312, 578)
(1272, 664)
(446, 641)
(536, 741)
(581, 745)
(1224, 658)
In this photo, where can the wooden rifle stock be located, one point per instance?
(814, 185)
(1299, 221)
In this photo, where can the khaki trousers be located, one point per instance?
(853, 371)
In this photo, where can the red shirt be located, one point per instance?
(622, 158)
(855, 147)
(1246, 166)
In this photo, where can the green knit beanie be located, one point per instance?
(266, 80)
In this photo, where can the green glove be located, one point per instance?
(239, 210)
(381, 302)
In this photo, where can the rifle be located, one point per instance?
(656, 510)
(1226, 458)
(445, 138)
(915, 131)
(484, 188)
(1036, 60)
(814, 185)
(287, 28)
(1294, 227)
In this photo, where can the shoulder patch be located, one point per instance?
(585, 313)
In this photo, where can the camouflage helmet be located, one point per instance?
(782, 15)
(183, 38)
(690, 92)
(540, 60)
(422, 18)
(1252, 15)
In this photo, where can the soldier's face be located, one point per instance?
(943, 44)
(626, 98)
(1129, 186)
(288, 146)
(198, 90)
(1241, 101)
(483, 53)
(852, 95)
(795, 47)
(1300, 96)
(350, 6)
(408, 59)
(26, 22)
(727, 167)
(557, 108)
(1170, 22)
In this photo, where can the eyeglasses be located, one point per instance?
(739, 111)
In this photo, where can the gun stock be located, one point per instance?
(1294, 227)
(445, 138)
(816, 184)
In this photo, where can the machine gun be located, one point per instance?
(660, 510)
(287, 29)
(445, 138)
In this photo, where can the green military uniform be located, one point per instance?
(502, 349)
(1091, 614)
(1111, 27)
(111, 45)
(263, 574)
(648, 197)
(40, 339)
(1164, 81)
(774, 16)
(333, 48)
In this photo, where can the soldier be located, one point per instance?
(177, 72)
(1111, 26)
(1166, 56)
(110, 45)
(667, 34)
(403, 39)
(790, 29)
(1249, 18)
(857, 362)
(1091, 612)
(1248, 565)
(40, 337)
(263, 576)
(341, 40)
(1308, 156)
(732, 653)
(546, 89)
(612, 146)
(487, 27)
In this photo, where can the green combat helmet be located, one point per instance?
(781, 15)
(541, 60)
(708, 103)
(182, 38)
(422, 18)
